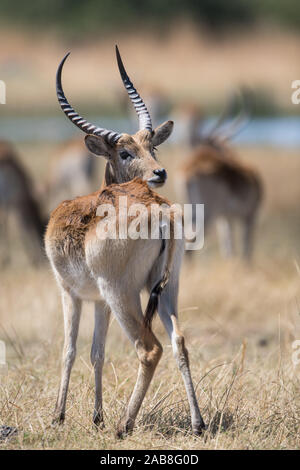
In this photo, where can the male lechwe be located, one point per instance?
(112, 271)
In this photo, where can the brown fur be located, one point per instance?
(221, 162)
(71, 222)
(88, 268)
(6, 151)
(229, 190)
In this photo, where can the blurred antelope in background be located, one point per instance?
(112, 272)
(17, 199)
(229, 190)
(189, 123)
(71, 173)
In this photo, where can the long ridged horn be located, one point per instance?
(110, 136)
(138, 103)
(242, 119)
(226, 113)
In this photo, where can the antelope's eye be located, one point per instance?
(125, 155)
(153, 152)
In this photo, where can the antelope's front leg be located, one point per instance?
(102, 315)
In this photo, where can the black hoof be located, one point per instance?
(124, 430)
(199, 429)
(58, 420)
(98, 421)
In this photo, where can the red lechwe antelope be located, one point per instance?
(17, 198)
(229, 190)
(112, 272)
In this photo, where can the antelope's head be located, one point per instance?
(128, 156)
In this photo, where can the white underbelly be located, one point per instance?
(80, 280)
(88, 292)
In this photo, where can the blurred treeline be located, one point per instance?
(101, 16)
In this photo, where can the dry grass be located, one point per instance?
(239, 322)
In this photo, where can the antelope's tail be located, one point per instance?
(156, 291)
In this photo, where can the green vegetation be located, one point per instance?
(102, 16)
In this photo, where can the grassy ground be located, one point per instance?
(239, 321)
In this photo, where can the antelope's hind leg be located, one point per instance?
(168, 314)
(248, 235)
(226, 238)
(72, 310)
(5, 249)
(127, 308)
(102, 316)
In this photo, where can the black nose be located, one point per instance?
(161, 173)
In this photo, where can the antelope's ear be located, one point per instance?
(98, 146)
(162, 132)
